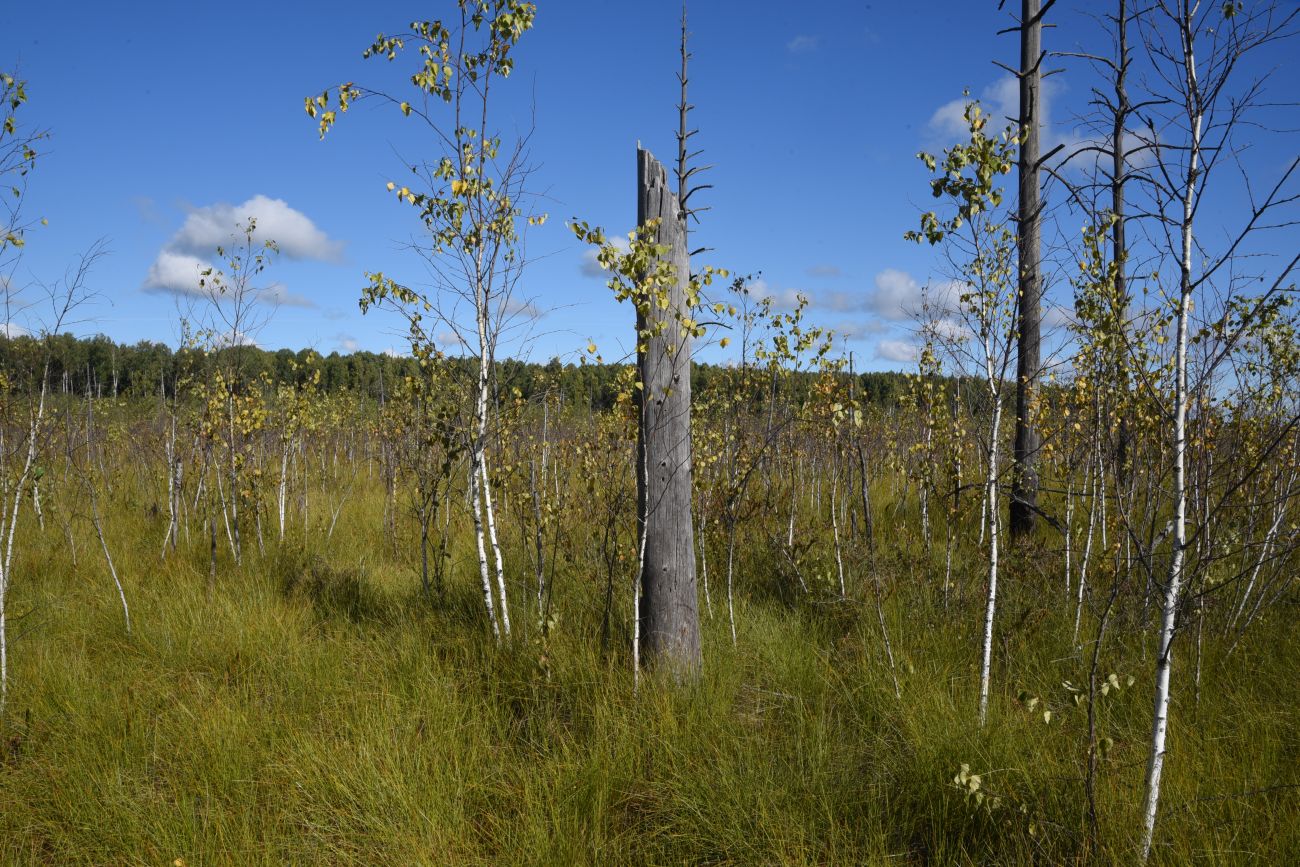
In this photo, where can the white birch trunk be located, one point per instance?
(991, 500)
(1174, 586)
(476, 511)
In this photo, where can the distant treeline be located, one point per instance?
(106, 368)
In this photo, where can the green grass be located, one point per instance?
(317, 709)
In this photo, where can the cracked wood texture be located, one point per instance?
(669, 608)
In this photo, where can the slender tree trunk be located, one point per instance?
(1174, 584)
(991, 497)
(476, 509)
(1097, 494)
(108, 558)
(835, 524)
(535, 488)
(731, 560)
(490, 512)
(232, 522)
(704, 568)
(282, 495)
(1069, 524)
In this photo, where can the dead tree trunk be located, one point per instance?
(1024, 478)
(1121, 109)
(669, 610)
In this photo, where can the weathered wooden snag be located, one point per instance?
(669, 609)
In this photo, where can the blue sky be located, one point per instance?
(168, 118)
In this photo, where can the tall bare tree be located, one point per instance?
(1202, 98)
(1024, 474)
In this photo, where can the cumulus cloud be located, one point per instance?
(896, 295)
(12, 329)
(294, 233)
(898, 350)
(950, 330)
(448, 338)
(181, 274)
(346, 342)
(180, 264)
(178, 273)
(235, 338)
(802, 44)
(1001, 100)
(785, 299)
(521, 307)
(279, 295)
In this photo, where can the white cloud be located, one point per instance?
(279, 295)
(179, 265)
(824, 270)
(448, 338)
(898, 350)
(590, 267)
(235, 338)
(1088, 150)
(784, 299)
(178, 273)
(950, 330)
(896, 296)
(393, 352)
(11, 329)
(293, 232)
(520, 307)
(346, 342)
(802, 44)
(1001, 100)
(1057, 315)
